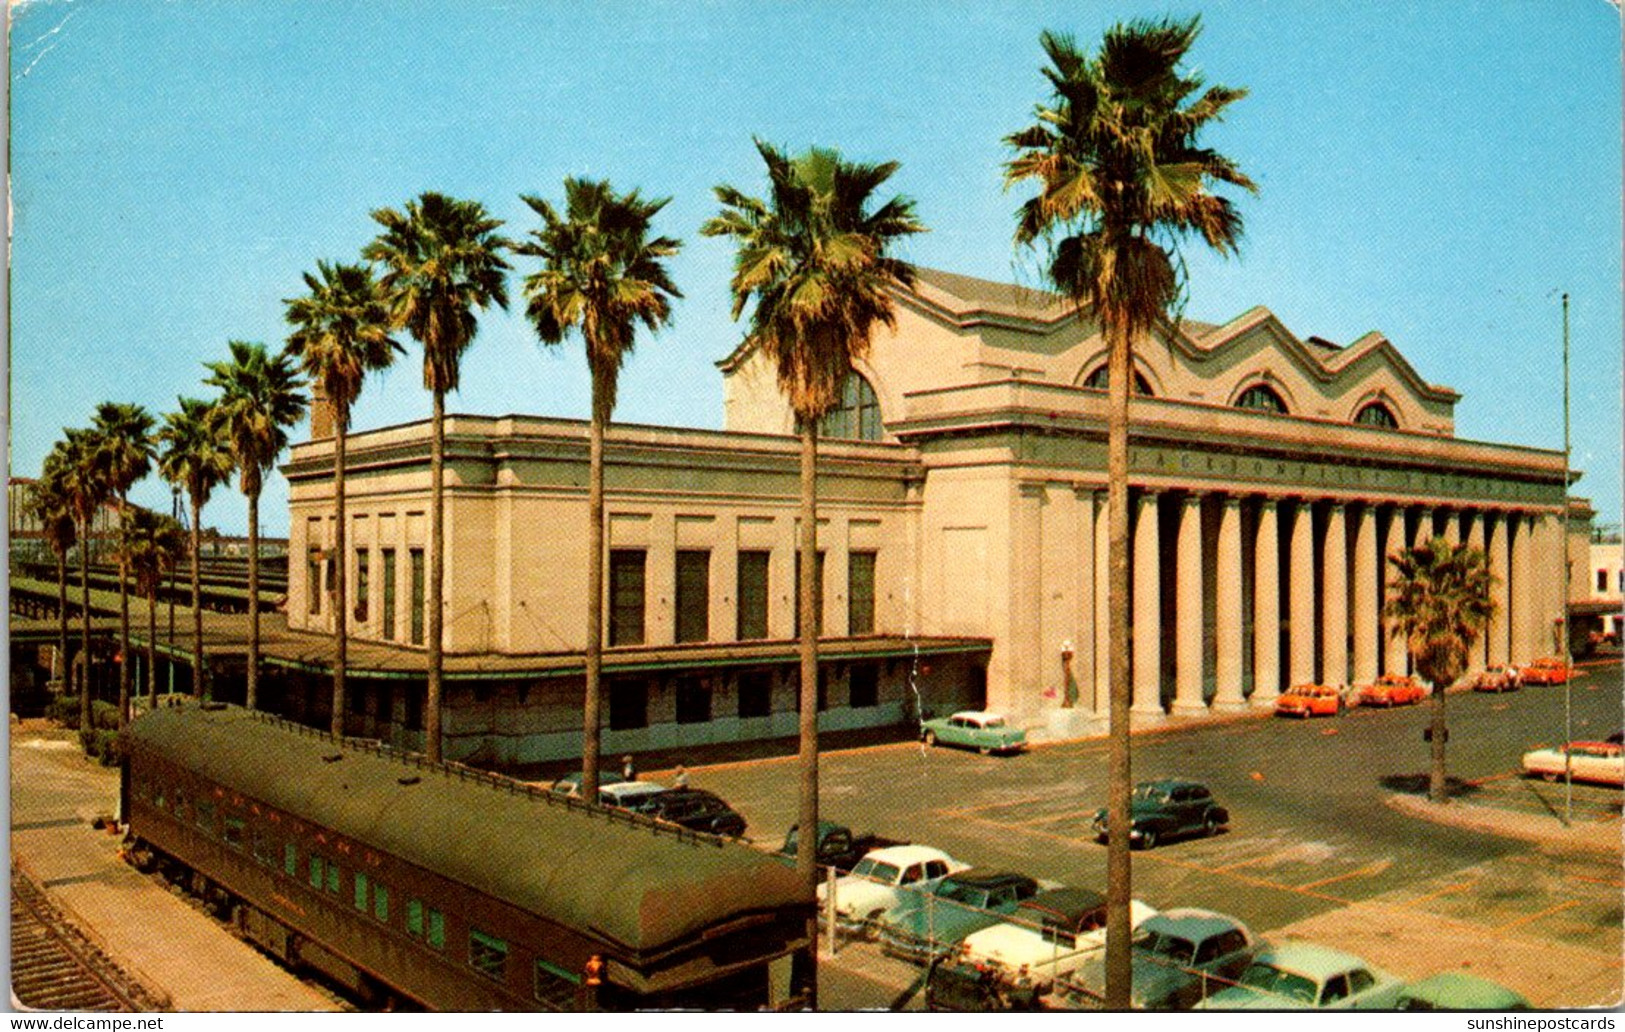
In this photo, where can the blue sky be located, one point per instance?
(1438, 171)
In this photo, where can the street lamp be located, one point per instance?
(1563, 557)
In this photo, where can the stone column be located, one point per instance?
(1085, 658)
(1188, 599)
(1395, 654)
(1103, 638)
(1147, 609)
(1497, 539)
(1523, 648)
(1227, 643)
(1365, 595)
(1452, 526)
(1334, 610)
(1475, 539)
(1301, 604)
(1266, 608)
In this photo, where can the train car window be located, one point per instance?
(318, 868)
(264, 847)
(487, 954)
(555, 986)
(437, 929)
(333, 877)
(158, 795)
(361, 892)
(380, 901)
(232, 832)
(204, 816)
(180, 804)
(290, 859)
(414, 917)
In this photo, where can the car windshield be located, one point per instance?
(1278, 982)
(992, 721)
(876, 870)
(1149, 793)
(969, 895)
(1181, 951)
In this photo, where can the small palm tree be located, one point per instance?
(442, 262)
(814, 259)
(51, 503)
(1121, 180)
(151, 544)
(601, 275)
(124, 432)
(259, 400)
(84, 476)
(198, 459)
(1439, 601)
(341, 333)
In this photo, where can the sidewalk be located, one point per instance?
(156, 937)
(1589, 836)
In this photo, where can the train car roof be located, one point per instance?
(606, 873)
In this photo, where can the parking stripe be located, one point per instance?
(1376, 868)
(1527, 918)
(1447, 890)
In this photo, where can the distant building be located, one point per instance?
(1608, 578)
(961, 535)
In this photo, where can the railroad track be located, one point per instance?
(55, 967)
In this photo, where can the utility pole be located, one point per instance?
(1563, 555)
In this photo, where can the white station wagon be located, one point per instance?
(1049, 935)
(1602, 762)
(876, 885)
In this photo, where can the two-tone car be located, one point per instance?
(974, 729)
(1046, 937)
(1166, 809)
(876, 886)
(1548, 670)
(1600, 762)
(1392, 690)
(1496, 678)
(1304, 976)
(929, 925)
(1309, 700)
(1180, 956)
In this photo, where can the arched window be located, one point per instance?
(1262, 399)
(1377, 414)
(856, 417)
(1099, 380)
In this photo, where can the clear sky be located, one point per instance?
(1439, 171)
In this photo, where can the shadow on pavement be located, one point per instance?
(1417, 784)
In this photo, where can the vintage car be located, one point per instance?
(1303, 976)
(928, 925)
(1046, 937)
(1496, 678)
(876, 886)
(637, 796)
(974, 729)
(1165, 809)
(697, 810)
(1547, 670)
(838, 846)
(1392, 690)
(570, 784)
(1309, 700)
(1180, 956)
(1602, 762)
(1459, 991)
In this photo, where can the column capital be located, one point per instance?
(1229, 500)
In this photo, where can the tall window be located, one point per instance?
(313, 582)
(415, 557)
(626, 581)
(628, 703)
(693, 701)
(863, 685)
(860, 593)
(857, 415)
(361, 584)
(752, 595)
(693, 595)
(818, 594)
(389, 594)
(756, 694)
(1261, 398)
(1377, 414)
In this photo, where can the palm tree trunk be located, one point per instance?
(1436, 779)
(152, 644)
(341, 615)
(66, 683)
(595, 607)
(437, 570)
(1120, 771)
(84, 625)
(200, 688)
(251, 698)
(807, 818)
(123, 616)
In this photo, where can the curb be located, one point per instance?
(1591, 837)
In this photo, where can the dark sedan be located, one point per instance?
(1164, 809)
(698, 810)
(927, 926)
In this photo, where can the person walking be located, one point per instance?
(680, 779)
(627, 770)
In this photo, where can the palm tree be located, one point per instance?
(197, 458)
(1439, 601)
(813, 259)
(150, 544)
(1121, 180)
(341, 333)
(124, 432)
(442, 261)
(84, 476)
(51, 503)
(601, 274)
(259, 399)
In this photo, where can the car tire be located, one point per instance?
(985, 750)
(1550, 776)
(1210, 824)
(929, 738)
(1148, 839)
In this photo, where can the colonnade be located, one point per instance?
(1269, 591)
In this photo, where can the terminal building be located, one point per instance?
(961, 537)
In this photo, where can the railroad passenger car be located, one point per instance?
(448, 887)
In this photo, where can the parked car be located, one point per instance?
(1459, 991)
(1309, 700)
(975, 729)
(1179, 957)
(876, 883)
(1164, 809)
(697, 810)
(1496, 678)
(838, 846)
(570, 784)
(1547, 670)
(1302, 976)
(1392, 690)
(1046, 937)
(1602, 762)
(927, 925)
